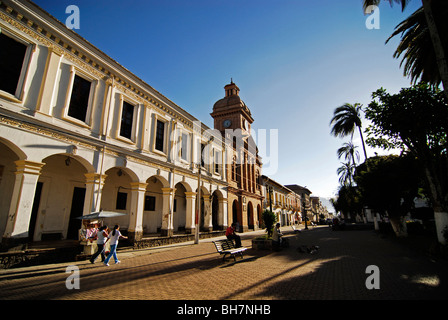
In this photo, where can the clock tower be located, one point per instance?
(231, 112)
(242, 163)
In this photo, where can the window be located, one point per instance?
(160, 134)
(150, 203)
(234, 168)
(11, 64)
(202, 156)
(79, 100)
(127, 118)
(122, 198)
(184, 150)
(217, 161)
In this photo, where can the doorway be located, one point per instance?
(35, 211)
(76, 211)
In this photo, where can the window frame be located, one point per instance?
(165, 121)
(74, 71)
(18, 95)
(185, 138)
(122, 100)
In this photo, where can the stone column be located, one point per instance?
(223, 218)
(19, 216)
(94, 190)
(208, 223)
(167, 212)
(191, 212)
(135, 230)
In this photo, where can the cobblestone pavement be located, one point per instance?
(197, 272)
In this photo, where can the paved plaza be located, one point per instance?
(196, 272)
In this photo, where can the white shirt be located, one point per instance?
(114, 238)
(101, 239)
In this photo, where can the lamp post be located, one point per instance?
(270, 200)
(198, 206)
(198, 212)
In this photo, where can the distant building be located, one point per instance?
(284, 202)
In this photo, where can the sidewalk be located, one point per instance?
(196, 272)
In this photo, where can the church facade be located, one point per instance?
(233, 119)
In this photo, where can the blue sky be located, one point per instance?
(294, 61)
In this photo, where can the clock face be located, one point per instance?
(227, 123)
(246, 124)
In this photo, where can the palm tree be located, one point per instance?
(420, 62)
(348, 151)
(345, 119)
(435, 12)
(346, 172)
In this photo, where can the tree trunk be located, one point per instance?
(437, 43)
(399, 226)
(441, 220)
(438, 199)
(363, 145)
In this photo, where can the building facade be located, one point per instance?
(80, 133)
(233, 120)
(283, 202)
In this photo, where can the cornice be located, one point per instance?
(65, 42)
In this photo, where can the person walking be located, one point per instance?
(114, 237)
(101, 238)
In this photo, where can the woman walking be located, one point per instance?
(114, 237)
(101, 239)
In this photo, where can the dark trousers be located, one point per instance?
(236, 238)
(98, 252)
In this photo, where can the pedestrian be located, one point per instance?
(231, 235)
(101, 238)
(277, 236)
(114, 237)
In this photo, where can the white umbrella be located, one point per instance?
(101, 215)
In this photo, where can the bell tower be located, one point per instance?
(231, 112)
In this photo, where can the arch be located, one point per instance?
(63, 175)
(9, 154)
(180, 207)
(217, 210)
(161, 179)
(153, 204)
(117, 194)
(14, 148)
(250, 215)
(237, 214)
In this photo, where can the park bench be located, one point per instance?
(225, 247)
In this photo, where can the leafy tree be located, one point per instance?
(269, 219)
(416, 120)
(348, 201)
(389, 186)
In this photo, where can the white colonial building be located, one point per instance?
(81, 133)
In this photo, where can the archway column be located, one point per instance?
(94, 190)
(208, 224)
(190, 212)
(135, 230)
(223, 216)
(167, 211)
(19, 214)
